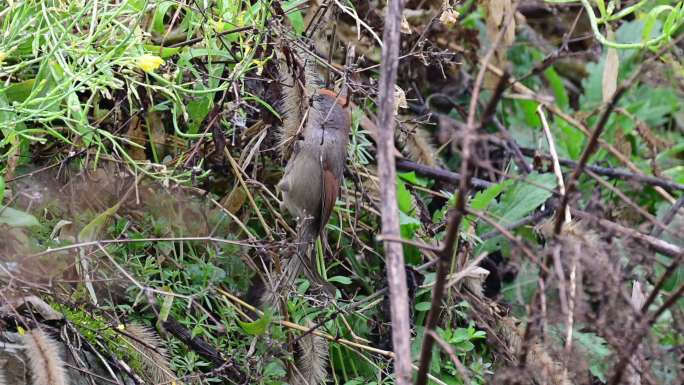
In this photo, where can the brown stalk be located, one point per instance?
(396, 274)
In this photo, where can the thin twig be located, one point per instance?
(669, 216)
(589, 151)
(628, 201)
(614, 173)
(554, 157)
(420, 245)
(136, 240)
(439, 173)
(653, 243)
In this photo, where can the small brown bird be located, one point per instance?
(313, 176)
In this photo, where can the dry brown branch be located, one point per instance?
(396, 275)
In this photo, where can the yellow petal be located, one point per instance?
(149, 63)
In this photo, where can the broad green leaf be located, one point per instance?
(296, 17)
(92, 230)
(423, 306)
(483, 198)
(18, 92)
(407, 229)
(258, 327)
(524, 197)
(570, 140)
(197, 111)
(676, 174)
(16, 218)
(412, 178)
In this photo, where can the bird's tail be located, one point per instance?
(312, 356)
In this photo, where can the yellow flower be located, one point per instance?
(3, 55)
(149, 63)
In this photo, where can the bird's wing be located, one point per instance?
(331, 187)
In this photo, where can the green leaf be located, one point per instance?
(91, 231)
(340, 279)
(423, 306)
(197, 111)
(483, 198)
(159, 13)
(297, 21)
(524, 197)
(404, 197)
(675, 173)
(558, 88)
(529, 108)
(2, 189)
(570, 140)
(18, 92)
(465, 346)
(597, 352)
(257, 327)
(459, 335)
(166, 306)
(16, 218)
(275, 369)
(412, 178)
(163, 52)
